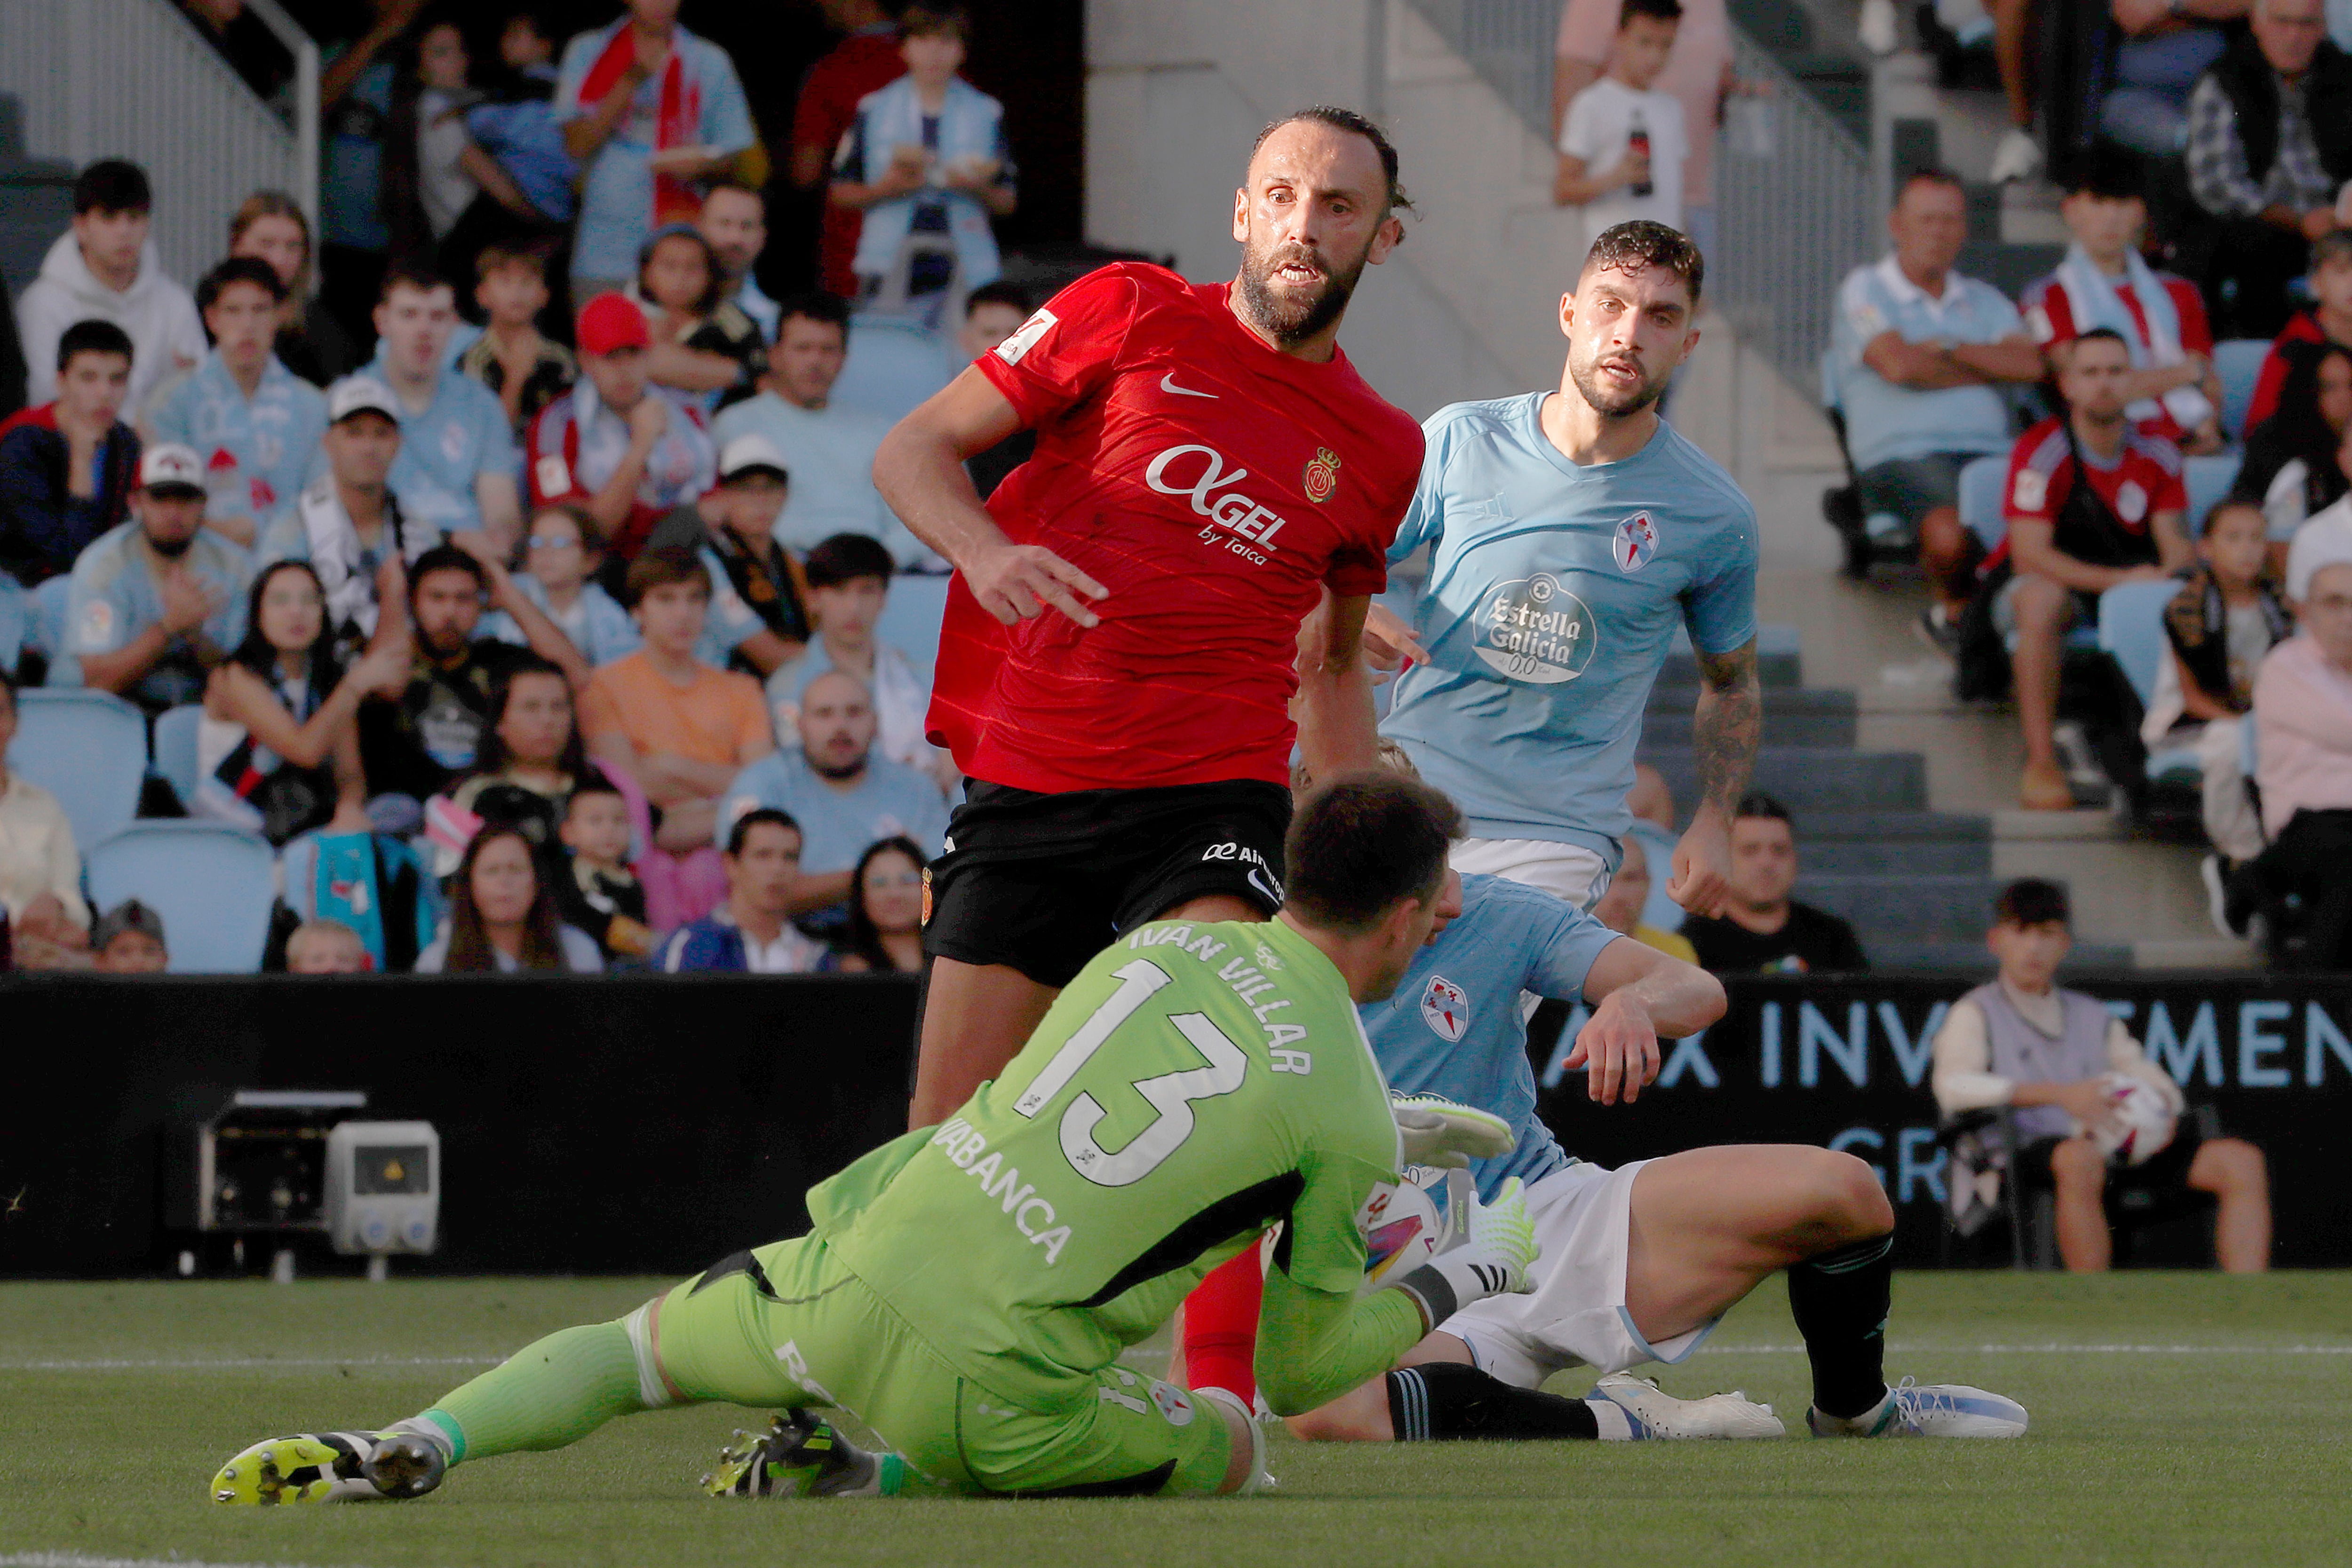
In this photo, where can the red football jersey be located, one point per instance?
(2049, 316)
(2146, 480)
(1214, 486)
(2303, 327)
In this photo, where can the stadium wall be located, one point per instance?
(652, 1124)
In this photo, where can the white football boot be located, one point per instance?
(1654, 1413)
(1913, 1409)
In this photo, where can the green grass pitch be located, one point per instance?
(2177, 1419)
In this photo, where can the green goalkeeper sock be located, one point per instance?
(546, 1396)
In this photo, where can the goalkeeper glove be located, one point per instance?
(1443, 1134)
(1491, 1259)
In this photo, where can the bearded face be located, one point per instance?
(1613, 379)
(1291, 291)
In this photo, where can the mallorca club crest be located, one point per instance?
(1445, 1008)
(1322, 475)
(1636, 542)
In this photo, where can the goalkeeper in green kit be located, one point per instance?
(966, 1289)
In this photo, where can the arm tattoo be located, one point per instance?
(1727, 725)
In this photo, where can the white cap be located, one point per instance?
(746, 453)
(2324, 541)
(168, 466)
(361, 395)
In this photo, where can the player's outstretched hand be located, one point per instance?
(1618, 1049)
(1389, 643)
(1445, 1134)
(1702, 878)
(1014, 582)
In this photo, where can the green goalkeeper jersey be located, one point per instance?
(1194, 1084)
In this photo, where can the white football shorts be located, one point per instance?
(1565, 871)
(1576, 1314)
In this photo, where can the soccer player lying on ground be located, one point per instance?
(1194, 1083)
(1639, 1263)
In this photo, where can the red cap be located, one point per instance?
(611, 322)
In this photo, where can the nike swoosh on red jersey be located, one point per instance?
(1168, 385)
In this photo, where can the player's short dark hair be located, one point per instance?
(2110, 172)
(1643, 243)
(92, 337)
(503, 254)
(817, 304)
(925, 19)
(113, 185)
(1354, 124)
(758, 816)
(1363, 842)
(594, 784)
(1755, 803)
(845, 558)
(660, 569)
(1933, 174)
(997, 293)
(2031, 901)
(1656, 10)
(444, 558)
(413, 272)
(239, 269)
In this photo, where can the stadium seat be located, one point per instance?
(2239, 362)
(1980, 484)
(213, 885)
(2208, 480)
(2131, 630)
(892, 366)
(89, 750)
(14, 614)
(176, 750)
(910, 619)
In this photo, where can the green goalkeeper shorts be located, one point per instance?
(788, 1326)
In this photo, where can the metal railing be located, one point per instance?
(1792, 194)
(135, 78)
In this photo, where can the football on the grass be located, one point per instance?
(2140, 1123)
(1410, 1223)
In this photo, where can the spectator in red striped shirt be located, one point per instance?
(2328, 319)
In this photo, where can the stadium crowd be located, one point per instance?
(503, 545)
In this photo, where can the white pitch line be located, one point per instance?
(245, 1364)
(2056, 1349)
(83, 1559)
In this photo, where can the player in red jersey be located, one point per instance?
(1119, 652)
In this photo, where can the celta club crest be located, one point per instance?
(1636, 542)
(1445, 1008)
(1322, 475)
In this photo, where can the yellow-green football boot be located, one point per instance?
(333, 1467)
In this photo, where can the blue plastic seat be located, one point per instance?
(892, 366)
(1877, 525)
(2131, 629)
(213, 885)
(1980, 484)
(2208, 480)
(910, 619)
(16, 617)
(89, 749)
(176, 750)
(2239, 362)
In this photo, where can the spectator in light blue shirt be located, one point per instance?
(843, 795)
(457, 464)
(1921, 356)
(158, 602)
(518, 126)
(556, 573)
(255, 424)
(648, 108)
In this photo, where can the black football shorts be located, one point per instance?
(1042, 883)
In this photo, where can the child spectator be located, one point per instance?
(68, 467)
(277, 750)
(992, 313)
(502, 916)
(625, 449)
(128, 940)
(326, 947)
(2327, 320)
(885, 934)
(703, 343)
(40, 874)
(157, 602)
(512, 357)
(602, 895)
(531, 762)
(848, 579)
(1622, 144)
(556, 572)
(648, 109)
(759, 617)
(2222, 624)
(270, 226)
(681, 729)
(105, 268)
(865, 58)
(2298, 462)
(255, 424)
(752, 932)
(445, 185)
(514, 129)
(926, 161)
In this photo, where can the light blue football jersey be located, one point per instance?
(1455, 1027)
(1555, 591)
